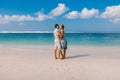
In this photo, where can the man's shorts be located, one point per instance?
(57, 43)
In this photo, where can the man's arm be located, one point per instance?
(59, 34)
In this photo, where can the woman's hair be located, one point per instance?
(56, 25)
(62, 26)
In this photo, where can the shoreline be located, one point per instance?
(53, 45)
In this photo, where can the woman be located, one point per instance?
(63, 41)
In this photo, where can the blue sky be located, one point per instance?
(76, 15)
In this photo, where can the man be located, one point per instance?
(57, 41)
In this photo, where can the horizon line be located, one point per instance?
(48, 32)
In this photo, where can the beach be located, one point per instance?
(31, 32)
(36, 62)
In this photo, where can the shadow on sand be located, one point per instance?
(77, 56)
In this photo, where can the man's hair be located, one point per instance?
(56, 25)
(62, 26)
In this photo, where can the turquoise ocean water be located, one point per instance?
(80, 39)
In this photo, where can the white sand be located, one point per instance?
(38, 63)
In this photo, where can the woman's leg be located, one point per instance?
(64, 54)
(60, 55)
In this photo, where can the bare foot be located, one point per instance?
(56, 58)
(62, 58)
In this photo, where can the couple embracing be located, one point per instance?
(60, 42)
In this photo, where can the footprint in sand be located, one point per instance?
(57, 69)
(0, 65)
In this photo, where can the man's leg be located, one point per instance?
(55, 52)
(55, 49)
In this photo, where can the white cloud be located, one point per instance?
(72, 15)
(59, 10)
(7, 18)
(41, 16)
(112, 13)
(85, 13)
